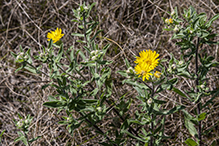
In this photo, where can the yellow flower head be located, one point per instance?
(55, 35)
(143, 70)
(149, 57)
(170, 20)
(157, 74)
(146, 62)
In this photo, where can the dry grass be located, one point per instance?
(135, 25)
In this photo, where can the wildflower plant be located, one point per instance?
(149, 79)
(75, 92)
(24, 124)
(82, 80)
(192, 32)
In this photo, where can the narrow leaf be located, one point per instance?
(208, 24)
(202, 116)
(190, 142)
(78, 34)
(53, 104)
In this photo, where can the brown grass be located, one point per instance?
(134, 25)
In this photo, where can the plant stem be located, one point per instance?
(96, 127)
(152, 116)
(196, 90)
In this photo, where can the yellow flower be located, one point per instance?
(143, 70)
(146, 62)
(169, 21)
(157, 74)
(149, 57)
(55, 35)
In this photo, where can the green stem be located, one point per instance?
(196, 90)
(152, 116)
(28, 144)
(36, 69)
(97, 128)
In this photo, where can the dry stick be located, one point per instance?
(196, 90)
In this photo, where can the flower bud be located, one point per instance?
(85, 8)
(157, 74)
(93, 58)
(25, 57)
(129, 70)
(99, 109)
(26, 121)
(180, 62)
(149, 101)
(169, 70)
(172, 13)
(93, 52)
(176, 29)
(96, 52)
(22, 53)
(202, 86)
(167, 21)
(173, 66)
(19, 124)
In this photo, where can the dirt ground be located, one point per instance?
(133, 25)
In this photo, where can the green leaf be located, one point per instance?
(31, 69)
(82, 55)
(59, 56)
(79, 41)
(178, 91)
(180, 35)
(202, 116)
(72, 57)
(78, 34)
(184, 74)
(21, 49)
(190, 142)
(50, 44)
(208, 24)
(158, 129)
(53, 104)
(34, 139)
(90, 101)
(190, 126)
(123, 73)
(13, 54)
(175, 109)
(45, 86)
(1, 135)
(159, 101)
(173, 81)
(21, 138)
(20, 117)
(20, 68)
(128, 133)
(96, 35)
(213, 143)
